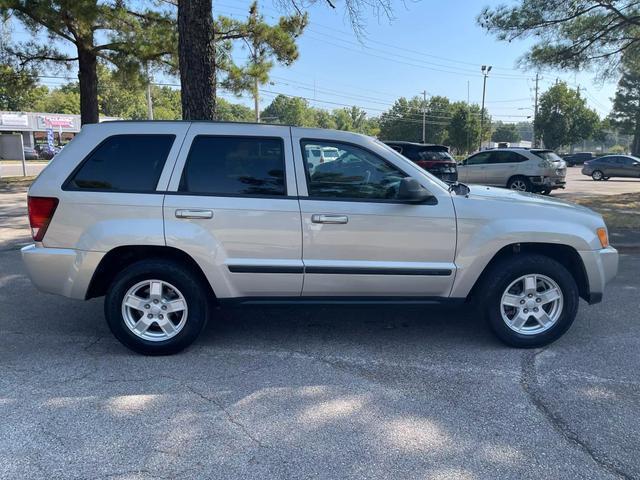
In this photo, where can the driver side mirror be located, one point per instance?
(411, 191)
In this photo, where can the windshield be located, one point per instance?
(547, 155)
(397, 154)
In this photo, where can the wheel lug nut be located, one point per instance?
(149, 316)
(147, 306)
(535, 309)
(526, 310)
(160, 316)
(164, 307)
(538, 300)
(522, 302)
(155, 301)
(530, 295)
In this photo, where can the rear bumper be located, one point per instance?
(61, 271)
(601, 266)
(548, 183)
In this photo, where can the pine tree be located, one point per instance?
(626, 103)
(131, 36)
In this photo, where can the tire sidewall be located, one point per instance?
(506, 273)
(169, 272)
(593, 175)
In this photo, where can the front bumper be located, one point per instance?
(61, 271)
(601, 266)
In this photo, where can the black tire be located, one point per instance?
(606, 178)
(506, 271)
(519, 180)
(597, 175)
(184, 279)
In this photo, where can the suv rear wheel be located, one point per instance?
(156, 307)
(531, 300)
(520, 184)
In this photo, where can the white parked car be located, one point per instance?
(521, 169)
(165, 218)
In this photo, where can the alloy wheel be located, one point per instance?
(519, 185)
(531, 304)
(154, 310)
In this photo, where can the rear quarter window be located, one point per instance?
(123, 163)
(235, 166)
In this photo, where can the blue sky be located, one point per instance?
(432, 45)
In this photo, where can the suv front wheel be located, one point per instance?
(156, 307)
(531, 300)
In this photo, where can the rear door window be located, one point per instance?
(235, 166)
(123, 163)
(479, 159)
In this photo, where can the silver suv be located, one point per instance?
(167, 219)
(525, 170)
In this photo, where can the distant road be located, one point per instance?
(14, 169)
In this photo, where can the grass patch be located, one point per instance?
(12, 182)
(620, 211)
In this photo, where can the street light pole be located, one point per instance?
(424, 116)
(485, 72)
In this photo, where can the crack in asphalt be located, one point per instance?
(530, 386)
(230, 418)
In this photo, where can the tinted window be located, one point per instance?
(547, 155)
(234, 166)
(434, 155)
(355, 174)
(478, 159)
(506, 157)
(124, 163)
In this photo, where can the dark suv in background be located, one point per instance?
(435, 159)
(578, 158)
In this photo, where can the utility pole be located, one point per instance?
(149, 100)
(535, 114)
(469, 113)
(424, 116)
(485, 73)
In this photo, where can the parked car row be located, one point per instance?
(521, 169)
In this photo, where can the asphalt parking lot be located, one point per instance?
(315, 392)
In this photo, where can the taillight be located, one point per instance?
(41, 211)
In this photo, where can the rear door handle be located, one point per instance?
(202, 214)
(332, 219)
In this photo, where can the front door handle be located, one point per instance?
(201, 214)
(331, 219)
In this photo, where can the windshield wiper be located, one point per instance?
(459, 189)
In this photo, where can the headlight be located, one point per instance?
(604, 238)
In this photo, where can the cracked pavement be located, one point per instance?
(317, 392)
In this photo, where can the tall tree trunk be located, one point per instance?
(197, 59)
(88, 82)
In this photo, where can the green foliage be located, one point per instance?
(19, 91)
(289, 111)
(568, 34)
(506, 132)
(122, 33)
(563, 117)
(617, 149)
(626, 104)
(464, 127)
(232, 112)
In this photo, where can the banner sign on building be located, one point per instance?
(14, 119)
(55, 121)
